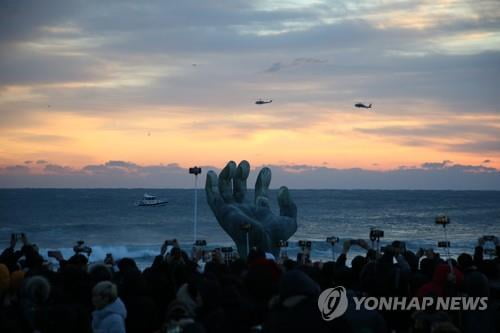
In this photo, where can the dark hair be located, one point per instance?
(127, 264)
(371, 254)
(100, 273)
(78, 260)
(411, 259)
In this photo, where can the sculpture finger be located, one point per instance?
(240, 226)
(240, 181)
(226, 183)
(262, 183)
(287, 206)
(214, 198)
(262, 202)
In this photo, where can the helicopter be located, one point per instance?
(361, 105)
(259, 102)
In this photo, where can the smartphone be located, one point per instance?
(442, 220)
(282, 243)
(443, 244)
(306, 244)
(246, 226)
(200, 242)
(332, 240)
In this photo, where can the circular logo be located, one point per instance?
(332, 303)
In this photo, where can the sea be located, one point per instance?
(108, 220)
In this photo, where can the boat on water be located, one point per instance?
(150, 200)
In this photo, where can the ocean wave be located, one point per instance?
(99, 252)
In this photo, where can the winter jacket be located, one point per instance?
(437, 287)
(110, 319)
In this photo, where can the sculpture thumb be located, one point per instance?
(287, 206)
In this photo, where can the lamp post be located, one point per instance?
(246, 228)
(195, 171)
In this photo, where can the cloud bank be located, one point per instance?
(444, 175)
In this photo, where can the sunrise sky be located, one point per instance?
(150, 84)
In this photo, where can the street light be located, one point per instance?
(195, 171)
(246, 228)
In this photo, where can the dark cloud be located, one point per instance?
(15, 169)
(121, 164)
(41, 162)
(486, 146)
(22, 20)
(434, 130)
(35, 67)
(448, 165)
(57, 169)
(28, 162)
(274, 67)
(434, 165)
(458, 177)
(132, 169)
(430, 135)
(472, 168)
(486, 161)
(297, 62)
(430, 175)
(103, 170)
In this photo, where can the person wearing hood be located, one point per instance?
(110, 313)
(443, 283)
(476, 285)
(296, 307)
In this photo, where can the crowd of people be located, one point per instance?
(262, 293)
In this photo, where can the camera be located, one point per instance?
(80, 247)
(108, 260)
(442, 220)
(306, 244)
(200, 242)
(489, 238)
(195, 170)
(376, 234)
(245, 226)
(332, 240)
(282, 243)
(444, 244)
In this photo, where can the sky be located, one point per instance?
(131, 94)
